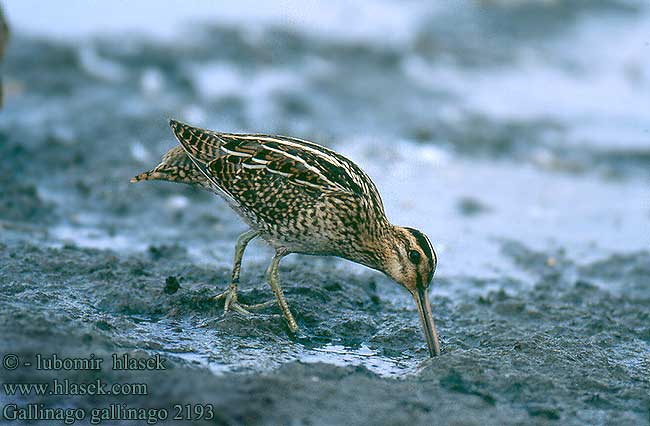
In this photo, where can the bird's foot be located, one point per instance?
(231, 302)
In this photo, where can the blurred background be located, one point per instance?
(529, 116)
(516, 134)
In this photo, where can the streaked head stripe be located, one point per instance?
(426, 247)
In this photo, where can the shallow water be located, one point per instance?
(515, 134)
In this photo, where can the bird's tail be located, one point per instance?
(143, 176)
(176, 166)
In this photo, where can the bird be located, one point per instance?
(300, 197)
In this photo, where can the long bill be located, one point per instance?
(426, 317)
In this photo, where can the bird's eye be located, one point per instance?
(414, 256)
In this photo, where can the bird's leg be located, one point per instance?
(230, 295)
(272, 276)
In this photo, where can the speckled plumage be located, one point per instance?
(301, 198)
(298, 198)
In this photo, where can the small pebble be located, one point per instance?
(171, 285)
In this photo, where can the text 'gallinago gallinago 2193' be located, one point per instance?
(301, 198)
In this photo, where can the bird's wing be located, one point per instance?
(269, 157)
(201, 147)
(226, 158)
(223, 157)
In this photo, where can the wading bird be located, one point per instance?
(301, 198)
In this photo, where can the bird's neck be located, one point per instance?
(376, 248)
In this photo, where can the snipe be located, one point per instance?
(301, 198)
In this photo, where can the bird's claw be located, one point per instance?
(231, 302)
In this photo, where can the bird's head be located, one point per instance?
(410, 260)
